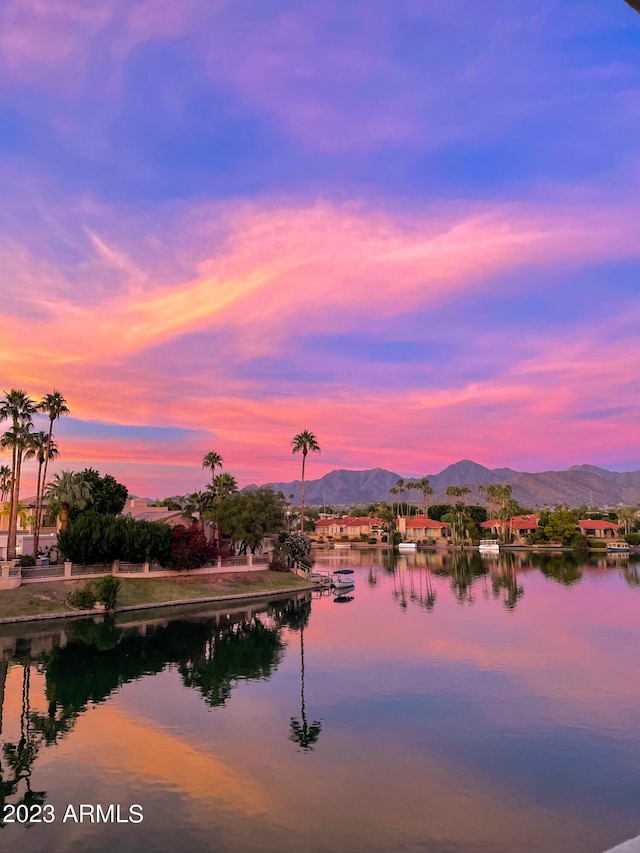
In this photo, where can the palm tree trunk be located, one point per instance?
(64, 517)
(13, 520)
(12, 493)
(36, 526)
(304, 458)
(39, 503)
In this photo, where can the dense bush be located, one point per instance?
(291, 548)
(632, 538)
(106, 591)
(597, 543)
(26, 560)
(189, 548)
(83, 598)
(96, 538)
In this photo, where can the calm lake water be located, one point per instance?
(450, 704)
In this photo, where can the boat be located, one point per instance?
(489, 546)
(342, 578)
(407, 546)
(342, 544)
(618, 548)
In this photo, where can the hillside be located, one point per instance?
(580, 484)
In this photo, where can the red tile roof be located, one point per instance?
(422, 521)
(518, 522)
(593, 524)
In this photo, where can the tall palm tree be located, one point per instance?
(5, 482)
(305, 442)
(212, 460)
(19, 408)
(18, 438)
(453, 491)
(463, 492)
(400, 488)
(68, 490)
(393, 491)
(40, 446)
(55, 406)
(425, 487)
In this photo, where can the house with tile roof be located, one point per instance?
(350, 526)
(597, 529)
(417, 528)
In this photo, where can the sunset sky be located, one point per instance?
(409, 226)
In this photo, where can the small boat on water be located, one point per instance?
(489, 546)
(618, 548)
(342, 578)
(342, 544)
(407, 546)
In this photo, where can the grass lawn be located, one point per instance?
(50, 596)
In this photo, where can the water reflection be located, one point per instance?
(493, 715)
(304, 733)
(85, 662)
(469, 571)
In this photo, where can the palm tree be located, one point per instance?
(68, 490)
(626, 517)
(453, 491)
(41, 445)
(463, 492)
(223, 485)
(19, 408)
(393, 492)
(400, 488)
(304, 443)
(197, 503)
(5, 482)
(425, 487)
(18, 438)
(212, 460)
(55, 406)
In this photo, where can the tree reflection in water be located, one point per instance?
(211, 654)
(18, 759)
(303, 733)
(630, 574)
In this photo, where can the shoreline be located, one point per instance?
(221, 598)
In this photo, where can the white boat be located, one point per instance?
(618, 548)
(489, 546)
(342, 544)
(407, 546)
(342, 578)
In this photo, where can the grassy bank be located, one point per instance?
(50, 597)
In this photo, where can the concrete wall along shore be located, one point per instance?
(12, 575)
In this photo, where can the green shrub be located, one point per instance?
(83, 598)
(106, 590)
(372, 540)
(25, 560)
(632, 538)
(597, 543)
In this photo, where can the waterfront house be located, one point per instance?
(596, 529)
(520, 527)
(420, 527)
(350, 526)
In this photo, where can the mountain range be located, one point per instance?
(580, 484)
